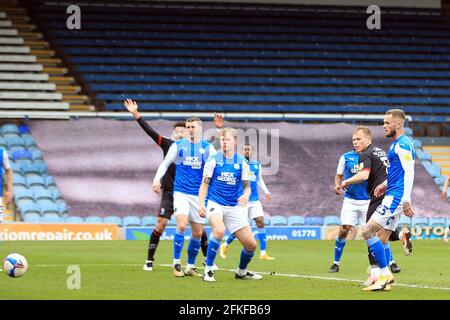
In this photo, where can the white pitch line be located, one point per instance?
(266, 273)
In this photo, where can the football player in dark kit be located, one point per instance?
(374, 164)
(166, 206)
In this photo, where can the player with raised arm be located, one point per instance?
(189, 156)
(166, 206)
(254, 208)
(355, 204)
(226, 187)
(397, 200)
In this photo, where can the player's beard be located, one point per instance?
(391, 134)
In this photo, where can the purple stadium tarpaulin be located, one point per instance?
(106, 167)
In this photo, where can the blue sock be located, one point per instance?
(376, 247)
(262, 238)
(193, 248)
(339, 249)
(213, 248)
(230, 238)
(387, 252)
(178, 243)
(246, 257)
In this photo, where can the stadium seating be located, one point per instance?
(278, 221)
(404, 221)
(331, 221)
(132, 221)
(314, 221)
(93, 219)
(294, 221)
(74, 219)
(149, 221)
(174, 57)
(420, 221)
(437, 221)
(113, 219)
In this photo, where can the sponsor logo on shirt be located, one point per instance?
(193, 162)
(228, 177)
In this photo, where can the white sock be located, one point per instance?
(263, 252)
(207, 269)
(336, 262)
(400, 235)
(385, 271)
(176, 261)
(375, 271)
(242, 272)
(190, 266)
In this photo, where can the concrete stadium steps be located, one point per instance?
(441, 156)
(23, 37)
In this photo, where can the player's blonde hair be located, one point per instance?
(397, 114)
(228, 131)
(365, 130)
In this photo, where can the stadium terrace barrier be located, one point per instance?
(57, 232)
(291, 233)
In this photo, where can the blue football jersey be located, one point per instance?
(348, 167)
(255, 168)
(226, 178)
(401, 170)
(190, 163)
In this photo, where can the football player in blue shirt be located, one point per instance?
(397, 200)
(254, 207)
(355, 205)
(189, 155)
(226, 187)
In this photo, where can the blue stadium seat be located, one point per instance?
(21, 154)
(50, 182)
(23, 194)
(10, 128)
(113, 219)
(24, 162)
(37, 155)
(93, 219)
(43, 194)
(35, 181)
(3, 143)
(314, 221)
(132, 221)
(18, 180)
(74, 219)
(417, 221)
(278, 220)
(32, 217)
(331, 221)
(16, 142)
(266, 221)
(32, 207)
(51, 217)
(17, 168)
(24, 129)
(423, 155)
(172, 222)
(56, 195)
(149, 221)
(31, 170)
(295, 221)
(30, 143)
(63, 209)
(20, 203)
(48, 207)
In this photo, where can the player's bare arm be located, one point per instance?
(243, 200)
(337, 183)
(380, 190)
(202, 192)
(407, 209)
(8, 194)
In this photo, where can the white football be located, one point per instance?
(15, 265)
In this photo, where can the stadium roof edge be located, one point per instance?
(207, 115)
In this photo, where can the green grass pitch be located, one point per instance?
(113, 270)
